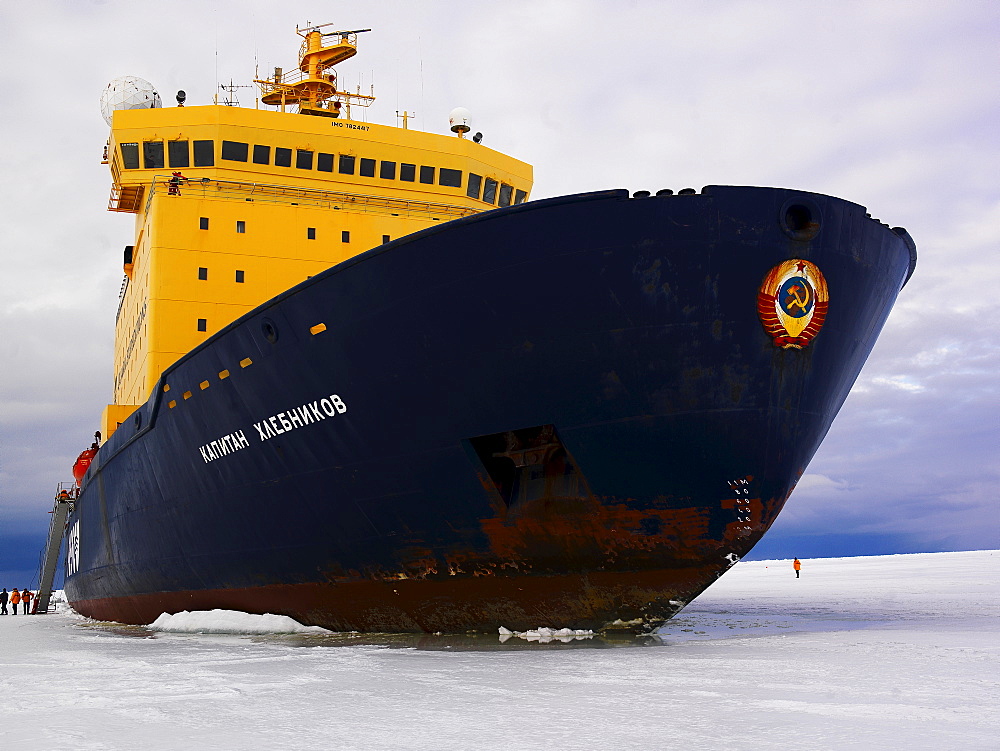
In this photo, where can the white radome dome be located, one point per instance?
(459, 120)
(128, 93)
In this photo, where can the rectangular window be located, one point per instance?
(179, 153)
(203, 222)
(427, 175)
(241, 226)
(519, 196)
(505, 194)
(311, 233)
(261, 154)
(130, 155)
(346, 166)
(152, 154)
(408, 172)
(475, 183)
(202, 273)
(202, 324)
(490, 190)
(303, 159)
(345, 236)
(324, 162)
(282, 157)
(367, 168)
(385, 238)
(239, 276)
(204, 154)
(234, 151)
(450, 177)
(387, 171)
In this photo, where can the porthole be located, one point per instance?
(269, 330)
(800, 218)
(138, 420)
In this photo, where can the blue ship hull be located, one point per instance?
(564, 413)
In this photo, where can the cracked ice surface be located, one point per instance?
(859, 653)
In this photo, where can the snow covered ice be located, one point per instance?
(895, 652)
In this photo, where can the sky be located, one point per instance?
(881, 652)
(892, 105)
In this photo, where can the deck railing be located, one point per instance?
(296, 196)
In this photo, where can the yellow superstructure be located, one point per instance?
(235, 205)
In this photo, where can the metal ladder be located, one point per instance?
(65, 498)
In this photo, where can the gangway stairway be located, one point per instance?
(63, 504)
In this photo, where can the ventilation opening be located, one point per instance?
(529, 464)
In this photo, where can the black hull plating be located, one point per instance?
(566, 413)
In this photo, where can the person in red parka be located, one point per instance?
(26, 601)
(15, 597)
(797, 565)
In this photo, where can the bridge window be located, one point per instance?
(519, 196)
(407, 172)
(387, 171)
(505, 193)
(367, 168)
(261, 154)
(234, 151)
(450, 177)
(427, 175)
(152, 154)
(346, 166)
(303, 159)
(475, 183)
(490, 190)
(130, 155)
(204, 154)
(324, 162)
(179, 153)
(282, 157)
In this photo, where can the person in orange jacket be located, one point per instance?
(15, 597)
(26, 596)
(797, 565)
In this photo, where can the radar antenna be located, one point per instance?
(311, 88)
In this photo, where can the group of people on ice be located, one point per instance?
(15, 597)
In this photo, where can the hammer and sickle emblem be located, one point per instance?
(794, 300)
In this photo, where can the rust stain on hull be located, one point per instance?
(637, 601)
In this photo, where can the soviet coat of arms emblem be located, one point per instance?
(792, 302)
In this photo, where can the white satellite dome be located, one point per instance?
(128, 93)
(459, 120)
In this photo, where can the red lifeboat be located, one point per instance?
(83, 462)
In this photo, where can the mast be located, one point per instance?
(311, 87)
